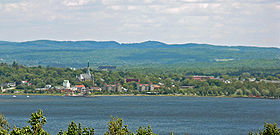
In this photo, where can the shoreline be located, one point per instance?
(29, 94)
(131, 95)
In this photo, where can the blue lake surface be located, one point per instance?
(192, 115)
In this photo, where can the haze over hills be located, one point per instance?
(149, 53)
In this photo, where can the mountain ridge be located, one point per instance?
(134, 43)
(150, 53)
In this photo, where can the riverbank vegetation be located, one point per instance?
(115, 127)
(37, 121)
(233, 82)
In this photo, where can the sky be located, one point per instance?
(220, 22)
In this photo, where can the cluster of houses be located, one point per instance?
(67, 88)
(12, 85)
(66, 85)
(200, 78)
(226, 81)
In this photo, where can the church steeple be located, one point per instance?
(88, 69)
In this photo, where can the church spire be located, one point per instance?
(88, 69)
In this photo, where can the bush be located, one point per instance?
(269, 129)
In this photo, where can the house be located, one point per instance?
(227, 81)
(251, 79)
(270, 81)
(96, 88)
(66, 91)
(145, 87)
(39, 89)
(156, 87)
(125, 89)
(11, 84)
(66, 84)
(132, 80)
(106, 68)
(200, 78)
(24, 82)
(114, 88)
(187, 87)
(80, 87)
(58, 87)
(48, 86)
(2, 88)
(86, 77)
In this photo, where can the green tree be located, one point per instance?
(269, 129)
(4, 125)
(145, 131)
(37, 120)
(115, 127)
(73, 129)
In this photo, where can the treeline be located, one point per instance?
(115, 127)
(38, 120)
(37, 76)
(170, 80)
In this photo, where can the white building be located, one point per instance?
(48, 86)
(66, 84)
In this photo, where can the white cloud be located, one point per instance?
(116, 7)
(208, 21)
(75, 2)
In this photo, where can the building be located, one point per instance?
(87, 76)
(2, 88)
(80, 87)
(145, 87)
(156, 87)
(200, 78)
(106, 68)
(24, 82)
(66, 84)
(251, 79)
(132, 80)
(49, 86)
(227, 81)
(187, 87)
(112, 88)
(96, 89)
(11, 84)
(270, 81)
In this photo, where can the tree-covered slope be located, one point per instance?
(150, 53)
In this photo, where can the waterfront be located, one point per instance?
(193, 115)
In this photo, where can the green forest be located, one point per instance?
(238, 82)
(145, 54)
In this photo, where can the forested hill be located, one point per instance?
(150, 53)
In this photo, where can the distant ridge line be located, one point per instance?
(149, 42)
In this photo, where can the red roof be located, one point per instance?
(144, 84)
(80, 86)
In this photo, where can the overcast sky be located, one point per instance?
(221, 22)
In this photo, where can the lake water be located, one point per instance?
(193, 115)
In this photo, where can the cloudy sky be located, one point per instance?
(222, 22)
